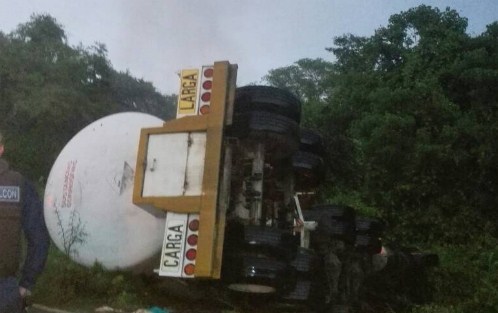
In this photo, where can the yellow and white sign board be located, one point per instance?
(187, 97)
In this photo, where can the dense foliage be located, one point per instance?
(50, 90)
(410, 115)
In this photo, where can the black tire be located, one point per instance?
(331, 228)
(262, 235)
(367, 225)
(270, 241)
(312, 142)
(301, 292)
(339, 230)
(268, 99)
(306, 264)
(305, 261)
(248, 273)
(309, 161)
(309, 170)
(368, 243)
(334, 221)
(279, 133)
(335, 211)
(273, 242)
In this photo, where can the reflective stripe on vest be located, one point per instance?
(10, 194)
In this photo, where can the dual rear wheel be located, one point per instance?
(265, 258)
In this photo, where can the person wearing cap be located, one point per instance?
(21, 211)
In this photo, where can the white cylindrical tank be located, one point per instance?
(88, 198)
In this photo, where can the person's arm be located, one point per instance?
(35, 231)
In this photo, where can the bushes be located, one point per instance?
(65, 283)
(467, 278)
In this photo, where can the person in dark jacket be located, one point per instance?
(20, 211)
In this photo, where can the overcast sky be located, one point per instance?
(153, 39)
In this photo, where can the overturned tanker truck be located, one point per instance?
(221, 192)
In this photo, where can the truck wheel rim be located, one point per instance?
(251, 288)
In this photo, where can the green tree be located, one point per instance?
(423, 98)
(311, 80)
(50, 90)
(133, 94)
(307, 78)
(410, 113)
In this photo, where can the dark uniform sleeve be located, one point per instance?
(35, 231)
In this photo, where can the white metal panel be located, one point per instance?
(166, 164)
(175, 164)
(195, 163)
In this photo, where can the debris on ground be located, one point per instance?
(106, 309)
(155, 309)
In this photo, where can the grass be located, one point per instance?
(66, 284)
(70, 286)
(465, 281)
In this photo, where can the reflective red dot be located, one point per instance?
(206, 96)
(191, 254)
(208, 84)
(192, 240)
(189, 269)
(208, 73)
(193, 225)
(204, 109)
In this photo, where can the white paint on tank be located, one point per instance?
(88, 197)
